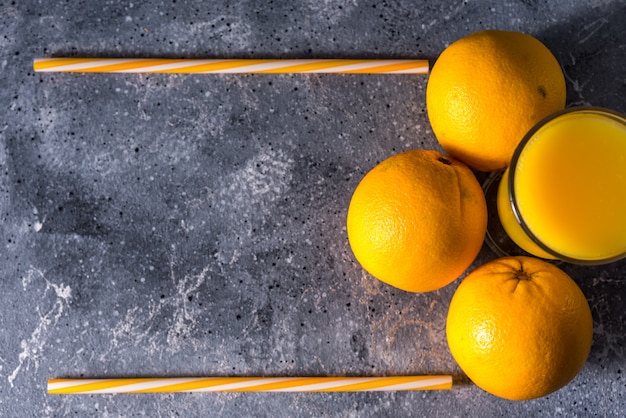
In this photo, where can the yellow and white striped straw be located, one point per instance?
(230, 66)
(249, 384)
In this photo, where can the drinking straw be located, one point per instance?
(249, 384)
(232, 66)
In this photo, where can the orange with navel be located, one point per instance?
(519, 327)
(486, 90)
(417, 220)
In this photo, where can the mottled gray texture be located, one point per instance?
(170, 225)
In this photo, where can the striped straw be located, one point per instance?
(249, 384)
(229, 66)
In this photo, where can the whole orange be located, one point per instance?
(486, 90)
(519, 327)
(417, 220)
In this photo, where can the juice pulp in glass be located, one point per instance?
(569, 184)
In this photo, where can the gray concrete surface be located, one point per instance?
(174, 225)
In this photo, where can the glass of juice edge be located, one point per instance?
(563, 197)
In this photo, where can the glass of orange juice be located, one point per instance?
(563, 196)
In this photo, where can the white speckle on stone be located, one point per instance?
(33, 347)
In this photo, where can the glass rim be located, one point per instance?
(511, 181)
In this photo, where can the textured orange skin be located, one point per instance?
(486, 90)
(519, 327)
(417, 220)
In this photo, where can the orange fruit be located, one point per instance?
(417, 220)
(519, 327)
(486, 90)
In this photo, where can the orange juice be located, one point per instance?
(567, 186)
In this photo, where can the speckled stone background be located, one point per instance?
(175, 225)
